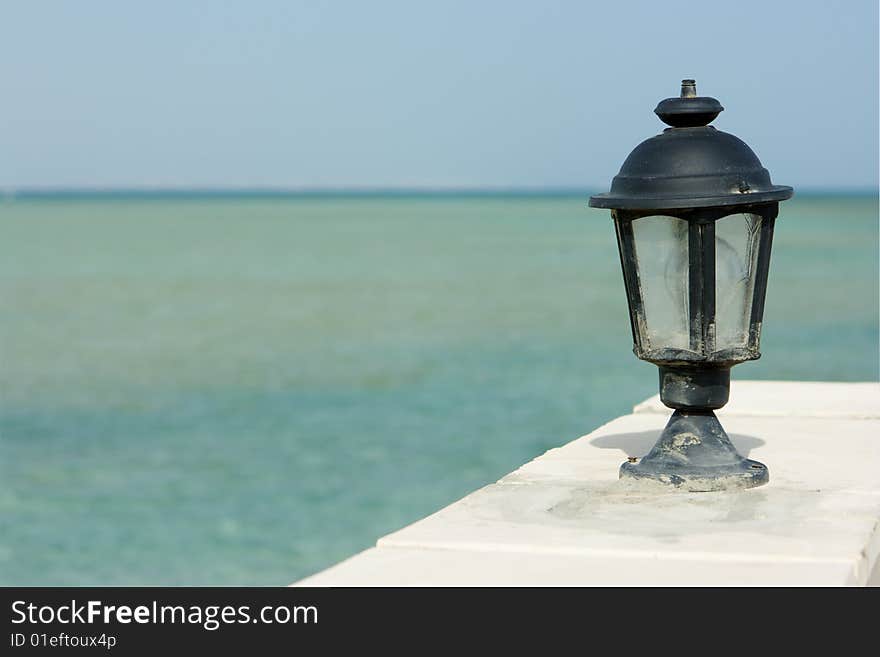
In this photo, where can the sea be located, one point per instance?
(243, 388)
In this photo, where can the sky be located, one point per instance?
(441, 94)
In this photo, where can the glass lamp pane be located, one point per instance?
(661, 250)
(736, 259)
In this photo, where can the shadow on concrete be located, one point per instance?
(640, 443)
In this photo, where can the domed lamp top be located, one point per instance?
(690, 164)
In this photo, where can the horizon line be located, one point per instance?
(10, 192)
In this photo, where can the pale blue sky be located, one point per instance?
(441, 94)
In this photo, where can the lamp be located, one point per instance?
(694, 212)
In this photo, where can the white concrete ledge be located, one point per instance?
(420, 567)
(566, 519)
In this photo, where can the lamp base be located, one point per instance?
(694, 453)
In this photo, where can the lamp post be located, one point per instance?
(694, 211)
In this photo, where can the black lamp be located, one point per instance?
(694, 211)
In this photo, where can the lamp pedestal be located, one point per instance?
(694, 452)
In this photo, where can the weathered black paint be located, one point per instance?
(695, 453)
(696, 173)
(690, 165)
(691, 387)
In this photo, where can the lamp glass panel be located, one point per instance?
(661, 252)
(736, 260)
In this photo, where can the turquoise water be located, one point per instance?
(243, 390)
